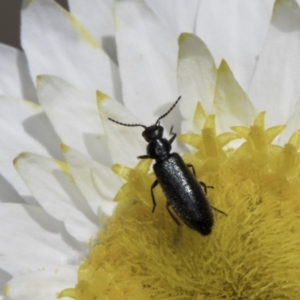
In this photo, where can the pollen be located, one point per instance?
(252, 253)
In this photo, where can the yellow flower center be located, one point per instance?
(252, 253)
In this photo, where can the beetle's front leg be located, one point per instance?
(143, 156)
(171, 140)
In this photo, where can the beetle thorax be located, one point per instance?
(159, 149)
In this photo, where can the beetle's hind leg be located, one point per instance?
(205, 190)
(154, 184)
(170, 213)
(205, 187)
(218, 210)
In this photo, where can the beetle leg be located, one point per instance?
(154, 184)
(201, 182)
(218, 210)
(176, 221)
(205, 186)
(205, 190)
(191, 166)
(143, 156)
(171, 140)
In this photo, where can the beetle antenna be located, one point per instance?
(129, 125)
(165, 114)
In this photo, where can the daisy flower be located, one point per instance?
(75, 214)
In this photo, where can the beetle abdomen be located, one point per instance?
(184, 193)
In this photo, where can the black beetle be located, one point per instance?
(184, 193)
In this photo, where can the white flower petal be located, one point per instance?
(74, 116)
(275, 87)
(2, 297)
(42, 284)
(125, 143)
(235, 31)
(54, 188)
(196, 77)
(231, 103)
(4, 278)
(33, 239)
(147, 55)
(179, 16)
(14, 75)
(23, 126)
(88, 174)
(66, 50)
(97, 18)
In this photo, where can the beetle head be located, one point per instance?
(153, 132)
